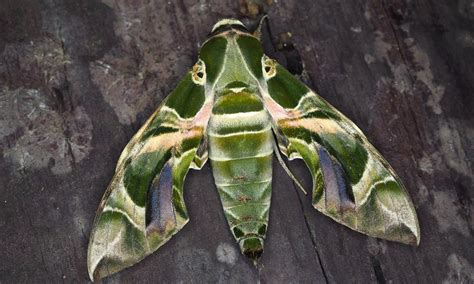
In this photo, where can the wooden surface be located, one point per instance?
(78, 78)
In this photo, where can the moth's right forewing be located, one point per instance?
(352, 182)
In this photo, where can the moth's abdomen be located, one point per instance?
(240, 150)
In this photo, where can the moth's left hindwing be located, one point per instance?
(143, 206)
(352, 183)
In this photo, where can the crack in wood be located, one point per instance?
(397, 42)
(312, 237)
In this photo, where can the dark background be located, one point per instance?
(78, 78)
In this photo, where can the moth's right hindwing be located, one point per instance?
(143, 206)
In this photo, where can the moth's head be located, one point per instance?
(226, 25)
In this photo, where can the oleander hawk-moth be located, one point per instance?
(238, 108)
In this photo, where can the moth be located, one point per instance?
(238, 108)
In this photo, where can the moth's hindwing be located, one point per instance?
(143, 206)
(352, 183)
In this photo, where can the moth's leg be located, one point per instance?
(285, 166)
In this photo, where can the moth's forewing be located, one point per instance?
(352, 183)
(143, 205)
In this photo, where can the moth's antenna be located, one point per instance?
(258, 32)
(285, 167)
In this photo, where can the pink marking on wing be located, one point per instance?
(277, 111)
(203, 115)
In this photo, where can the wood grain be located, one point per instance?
(78, 78)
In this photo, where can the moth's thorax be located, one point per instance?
(231, 55)
(234, 68)
(237, 100)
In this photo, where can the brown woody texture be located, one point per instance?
(78, 78)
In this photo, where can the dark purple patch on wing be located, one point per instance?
(160, 210)
(336, 188)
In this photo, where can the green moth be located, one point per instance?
(237, 108)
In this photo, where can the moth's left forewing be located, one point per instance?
(143, 206)
(352, 183)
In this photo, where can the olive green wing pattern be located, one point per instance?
(143, 206)
(352, 183)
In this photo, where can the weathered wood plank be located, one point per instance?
(79, 77)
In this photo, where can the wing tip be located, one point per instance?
(94, 268)
(106, 267)
(412, 239)
(417, 237)
(90, 266)
(94, 278)
(93, 272)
